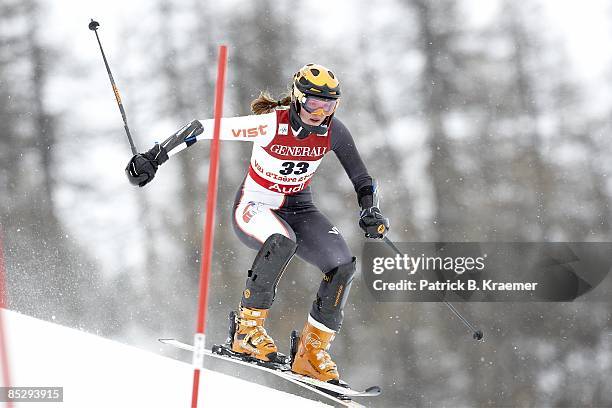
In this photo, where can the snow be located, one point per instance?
(96, 372)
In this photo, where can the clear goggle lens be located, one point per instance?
(317, 105)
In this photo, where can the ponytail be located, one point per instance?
(265, 103)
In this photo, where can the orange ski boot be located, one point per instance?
(251, 338)
(311, 358)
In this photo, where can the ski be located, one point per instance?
(337, 393)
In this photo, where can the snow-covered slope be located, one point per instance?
(97, 372)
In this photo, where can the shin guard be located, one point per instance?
(332, 295)
(267, 269)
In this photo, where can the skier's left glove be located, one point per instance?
(142, 167)
(373, 223)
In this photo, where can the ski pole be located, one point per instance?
(93, 26)
(476, 334)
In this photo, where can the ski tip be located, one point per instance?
(373, 390)
(163, 340)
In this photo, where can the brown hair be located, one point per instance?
(265, 103)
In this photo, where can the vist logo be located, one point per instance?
(250, 132)
(283, 129)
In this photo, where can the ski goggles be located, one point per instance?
(318, 106)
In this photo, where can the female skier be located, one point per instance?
(275, 215)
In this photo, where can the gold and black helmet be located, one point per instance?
(315, 80)
(314, 88)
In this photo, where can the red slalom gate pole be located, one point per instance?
(3, 303)
(209, 222)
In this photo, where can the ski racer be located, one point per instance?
(274, 212)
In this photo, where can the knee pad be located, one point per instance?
(332, 296)
(268, 267)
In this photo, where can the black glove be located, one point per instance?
(142, 167)
(373, 223)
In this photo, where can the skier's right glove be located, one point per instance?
(371, 220)
(373, 223)
(142, 167)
